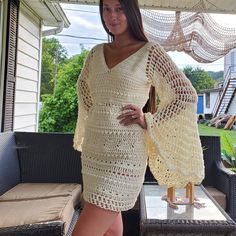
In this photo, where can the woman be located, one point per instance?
(118, 126)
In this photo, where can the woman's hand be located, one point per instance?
(134, 115)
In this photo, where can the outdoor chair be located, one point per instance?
(218, 177)
(219, 181)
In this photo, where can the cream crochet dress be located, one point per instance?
(114, 157)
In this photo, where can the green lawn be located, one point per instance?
(211, 131)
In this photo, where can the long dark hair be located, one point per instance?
(135, 24)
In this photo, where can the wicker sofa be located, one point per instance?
(44, 166)
(40, 184)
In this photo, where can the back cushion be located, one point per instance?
(48, 158)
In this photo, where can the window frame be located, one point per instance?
(208, 100)
(3, 25)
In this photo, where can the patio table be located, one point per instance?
(158, 219)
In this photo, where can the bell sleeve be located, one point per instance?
(85, 102)
(173, 142)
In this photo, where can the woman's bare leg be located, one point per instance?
(116, 229)
(94, 221)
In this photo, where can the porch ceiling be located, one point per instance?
(211, 6)
(51, 13)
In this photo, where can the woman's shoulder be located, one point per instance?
(156, 51)
(95, 48)
(154, 46)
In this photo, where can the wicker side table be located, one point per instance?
(158, 219)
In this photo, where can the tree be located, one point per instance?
(54, 55)
(216, 75)
(59, 110)
(199, 78)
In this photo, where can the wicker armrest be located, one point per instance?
(225, 181)
(9, 164)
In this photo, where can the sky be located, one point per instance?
(85, 22)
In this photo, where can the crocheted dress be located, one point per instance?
(114, 156)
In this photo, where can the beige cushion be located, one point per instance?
(218, 196)
(36, 203)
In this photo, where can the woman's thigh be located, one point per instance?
(94, 221)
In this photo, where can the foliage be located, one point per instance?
(227, 142)
(212, 131)
(59, 110)
(199, 78)
(228, 151)
(216, 75)
(53, 57)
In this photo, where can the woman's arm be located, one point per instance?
(85, 102)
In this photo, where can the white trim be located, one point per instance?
(48, 12)
(54, 31)
(28, 11)
(28, 114)
(3, 30)
(58, 12)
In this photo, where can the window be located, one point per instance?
(207, 100)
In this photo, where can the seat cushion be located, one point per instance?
(218, 196)
(31, 203)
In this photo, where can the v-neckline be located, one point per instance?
(122, 61)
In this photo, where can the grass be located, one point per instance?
(212, 131)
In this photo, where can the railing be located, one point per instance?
(230, 72)
(231, 99)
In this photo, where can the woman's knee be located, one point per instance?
(114, 232)
(94, 221)
(116, 229)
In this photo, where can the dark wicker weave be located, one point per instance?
(217, 175)
(184, 227)
(9, 164)
(45, 229)
(48, 158)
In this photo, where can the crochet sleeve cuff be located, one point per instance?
(85, 102)
(174, 148)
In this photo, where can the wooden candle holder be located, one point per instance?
(188, 199)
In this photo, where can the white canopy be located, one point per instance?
(210, 6)
(195, 33)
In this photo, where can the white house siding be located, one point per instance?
(28, 71)
(230, 61)
(232, 108)
(213, 98)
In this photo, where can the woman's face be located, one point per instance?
(114, 17)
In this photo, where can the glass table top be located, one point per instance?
(156, 208)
